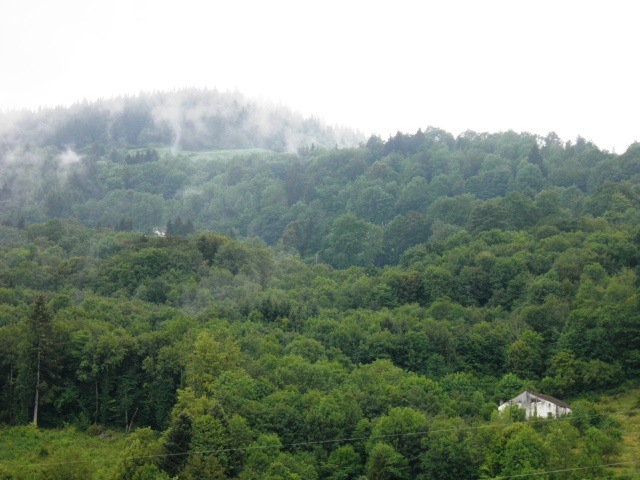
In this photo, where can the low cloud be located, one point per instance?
(68, 158)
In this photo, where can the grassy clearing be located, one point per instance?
(26, 451)
(226, 154)
(625, 408)
(204, 154)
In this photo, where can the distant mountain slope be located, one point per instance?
(189, 119)
(218, 162)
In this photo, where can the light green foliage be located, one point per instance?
(525, 453)
(239, 436)
(508, 387)
(277, 470)
(524, 356)
(563, 444)
(402, 429)
(563, 373)
(202, 466)
(5, 474)
(260, 455)
(150, 472)
(139, 457)
(293, 467)
(208, 359)
(210, 437)
(69, 464)
(599, 449)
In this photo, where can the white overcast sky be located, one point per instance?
(566, 66)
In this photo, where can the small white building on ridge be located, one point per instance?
(537, 405)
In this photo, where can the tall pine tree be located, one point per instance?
(38, 363)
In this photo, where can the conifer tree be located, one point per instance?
(38, 364)
(176, 445)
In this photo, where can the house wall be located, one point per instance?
(535, 406)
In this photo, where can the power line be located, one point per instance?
(564, 470)
(630, 475)
(320, 442)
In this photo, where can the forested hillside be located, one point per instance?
(188, 119)
(329, 313)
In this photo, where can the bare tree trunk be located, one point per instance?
(95, 416)
(35, 408)
(132, 419)
(11, 395)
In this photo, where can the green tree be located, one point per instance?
(488, 216)
(438, 284)
(524, 356)
(401, 233)
(451, 210)
(508, 387)
(385, 463)
(529, 178)
(202, 467)
(208, 359)
(39, 358)
(137, 459)
(10, 337)
(343, 464)
(351, 241)
(69, 464)
(176, 444)
(448, 454)
(564, 374)
(374, 205)
(208, 246)
(563, 444)
(260, 455)
(600, 447)
(399, 429)
(525, 453)
(210, 435)
(414, 196)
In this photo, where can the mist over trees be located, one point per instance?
(235, 307)
(187, 119)
(399, 193)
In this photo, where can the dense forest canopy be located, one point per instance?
(244, 309)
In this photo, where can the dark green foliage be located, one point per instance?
(351, 242)
(178, 227)
(177, 444)
(122, 361)
(448, 454)
(412, 285)
(343, 464)
(38, 361)
(149, 155)
(386, 464)
(208, 246)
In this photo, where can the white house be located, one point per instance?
(537, 404)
